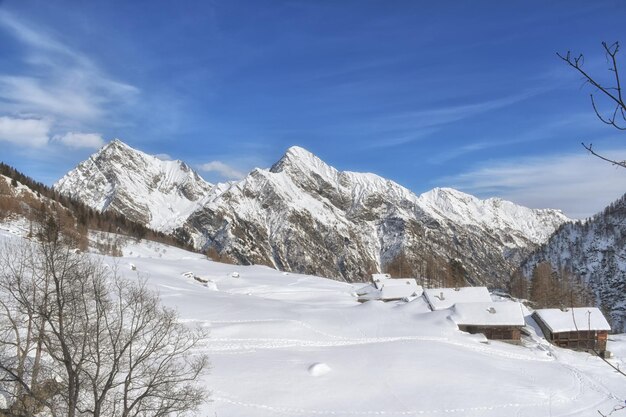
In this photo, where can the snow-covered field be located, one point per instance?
(295, 345)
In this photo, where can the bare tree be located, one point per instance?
(22, 371)
(611, 92)
(108, 344)
(141, 359)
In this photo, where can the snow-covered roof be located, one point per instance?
(379, 277)
(573, 319)
(368, 289)
(391, 289)
(400, 288)
(488, 314)
(442, 298)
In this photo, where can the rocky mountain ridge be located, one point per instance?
(304, 215)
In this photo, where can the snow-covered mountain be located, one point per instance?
(159, 194)
(595, 251)
(504, 217)
(304, 215)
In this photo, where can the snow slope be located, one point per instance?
(284, 344)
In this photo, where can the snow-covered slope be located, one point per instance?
(298, 345)
(304, 215)
(595, 251)
(159, 194)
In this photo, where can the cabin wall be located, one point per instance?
(509, 333)
(585, 340)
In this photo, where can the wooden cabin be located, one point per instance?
(443, 298)
(496, 320)
(580, 328)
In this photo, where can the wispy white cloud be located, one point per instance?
(57, 80)
(78, 140)
(443, 115)
(578, 122)
(27, 94)
(579, 184)
(421, 123)
(400, 140)
(223, 169)
(31, 36)
(30, 133)
(164, 157)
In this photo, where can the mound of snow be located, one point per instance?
(319, 369)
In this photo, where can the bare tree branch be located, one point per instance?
(611, 52)
(604, 158)
(613, 92)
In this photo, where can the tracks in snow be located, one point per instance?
(222, 397)
(230, 345)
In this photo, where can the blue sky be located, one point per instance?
(463, 94)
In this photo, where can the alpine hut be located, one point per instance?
(580, 328)
(496, 320)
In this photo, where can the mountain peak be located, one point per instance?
(117, 143)
(114, 146)
(299, 152)
(298, 159)
(146, 189)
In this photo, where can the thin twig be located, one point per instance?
(604, 158)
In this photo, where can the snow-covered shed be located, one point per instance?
(583, 328)
(443, 298)
(391, 289)
(496, 320)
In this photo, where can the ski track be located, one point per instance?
(222, 397)
(219, 345)
(216, 345)
(298, 322)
